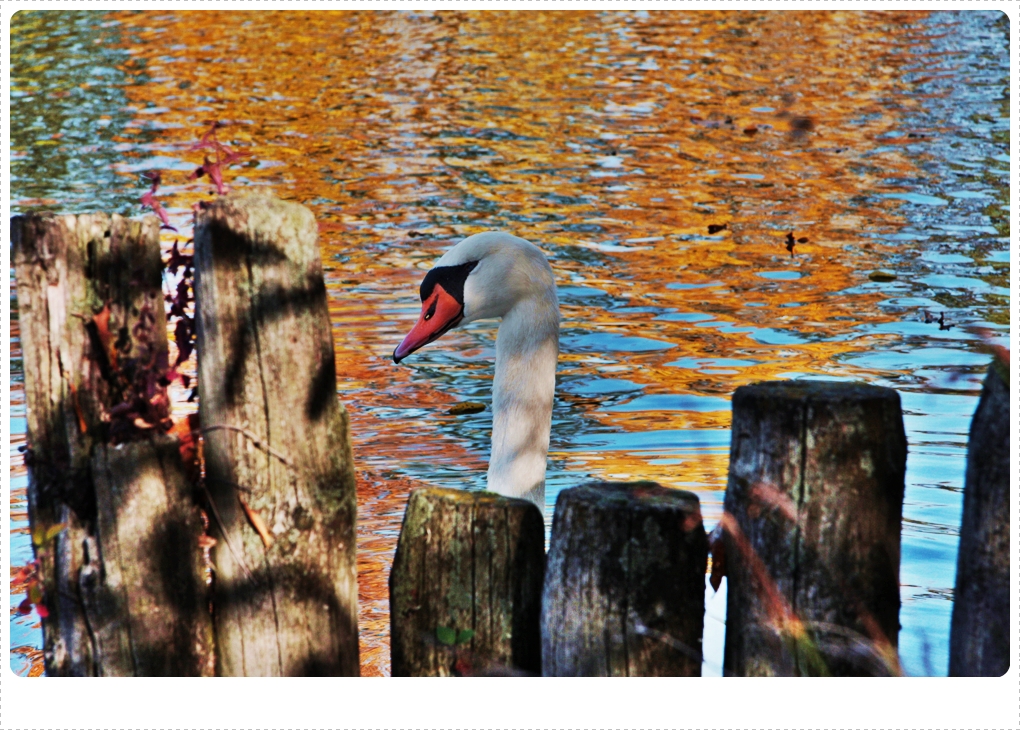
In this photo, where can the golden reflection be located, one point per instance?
(613, 141)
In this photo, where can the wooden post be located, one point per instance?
(146, 609)
(979, 634)
(625, 585)
(466, 585)
(812, 529)
(93, 333)
(276, 446)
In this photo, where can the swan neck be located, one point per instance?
(527, 347)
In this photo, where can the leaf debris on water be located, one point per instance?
(466, 407)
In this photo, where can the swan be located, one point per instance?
(497, 275)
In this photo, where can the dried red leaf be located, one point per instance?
(230, 156)
(25, 607)
(149, 199)
(463, 667)
(183, 338)
(177, 259)
(102, 322)
(187, 430)
(212, 169)
(42, 610)
(82, 425)
(155, 177)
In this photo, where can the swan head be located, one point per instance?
(482, 277)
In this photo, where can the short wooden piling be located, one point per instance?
(979, 632)
(812, 529)
(466, 585)
(93, 334)
(625, 584)
(277, 450)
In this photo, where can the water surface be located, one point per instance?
(613, 140)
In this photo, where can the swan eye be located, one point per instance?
(431, 310)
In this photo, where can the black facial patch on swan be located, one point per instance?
(450, 277)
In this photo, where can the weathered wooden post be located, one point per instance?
(624, 591)
(466, 585)
(812, 529)
(277, 451)
(115, 529)
(979, 633)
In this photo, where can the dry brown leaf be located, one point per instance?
(257, 523)
(82, 426)
(102, 322)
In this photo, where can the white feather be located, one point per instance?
(513, 280)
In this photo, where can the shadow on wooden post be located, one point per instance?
(979, 635)
(277, 450)
(625, 584)
(466, 585)
(812, 539)
(124, 587)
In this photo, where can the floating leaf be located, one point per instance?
(35, 593)
(882, 276)
(446, 635)
(466, 407)
(42, 610)
(465, 635)
(25, 607)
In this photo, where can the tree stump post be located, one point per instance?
(93, 333)
(979, 632)
(466, 585)
(277, 451)
(624, 591)
(812, 529)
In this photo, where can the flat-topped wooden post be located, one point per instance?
(277, 451)
(979, 634)
(115, 529)
(812, 529)
(466, 585)
(625, 584)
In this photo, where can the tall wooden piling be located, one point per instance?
(979, 632)
(812, 529)
(277, 451)
(624, 591)
(466, 585)
(115, 530)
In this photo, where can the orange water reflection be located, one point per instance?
(612, 140)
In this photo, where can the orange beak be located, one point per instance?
(439, 313)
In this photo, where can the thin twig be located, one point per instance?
(687, 650)
(252, 437)
(219, 521)
(247, 490)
